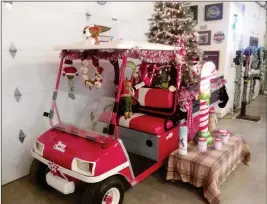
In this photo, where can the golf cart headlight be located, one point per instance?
(83, 167)
(39, 148)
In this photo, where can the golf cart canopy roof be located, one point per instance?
(118, 49)
(115, 45)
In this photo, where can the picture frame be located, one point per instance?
(204, 37)
(194, 10)
(214, 12)
(253, 41)
(213, 56)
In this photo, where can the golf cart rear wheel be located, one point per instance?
(38, 172)
(109, 191)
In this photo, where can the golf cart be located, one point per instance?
(91, 142)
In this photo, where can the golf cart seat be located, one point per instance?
(145, 123)
(140, 122)
(152, 99)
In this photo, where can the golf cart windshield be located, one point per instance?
(83, 116)
(81, 110)
(87, 111)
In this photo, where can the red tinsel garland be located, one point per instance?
(189, 122)
(217, 85)
(186, 95)
(149, 56)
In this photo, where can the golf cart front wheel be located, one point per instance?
(38, 172)
(109, 191)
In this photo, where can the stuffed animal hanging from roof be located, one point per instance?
(126, 97)
(70, 72)
(94, 31)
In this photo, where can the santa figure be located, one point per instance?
(70, 71)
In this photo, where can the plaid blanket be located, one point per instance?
(209, 169)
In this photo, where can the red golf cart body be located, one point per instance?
(131, 149)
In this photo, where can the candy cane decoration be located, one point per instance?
(208, 74)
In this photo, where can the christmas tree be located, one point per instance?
(171, 21)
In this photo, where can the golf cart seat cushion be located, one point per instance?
(145, 123)
(154, 98)
(139, 122)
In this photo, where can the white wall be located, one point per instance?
(252, 24)
(215, 26)
(35, 27)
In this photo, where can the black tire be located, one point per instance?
(94, 193)
(38, 172)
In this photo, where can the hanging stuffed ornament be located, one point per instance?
(70, 72)
(84, 70)
(93, 32)
(97, 81)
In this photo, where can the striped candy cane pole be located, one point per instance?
(208, 73)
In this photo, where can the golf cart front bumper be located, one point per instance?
(81, 177)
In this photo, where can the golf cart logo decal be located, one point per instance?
(53, 167)
(60, 147)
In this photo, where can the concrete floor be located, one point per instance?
(245, 185)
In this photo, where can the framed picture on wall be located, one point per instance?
(214, 12)
(212, 56)
(253, 41)
(194, 10)
(204, 37)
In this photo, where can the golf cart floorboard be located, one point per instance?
(140, 163)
